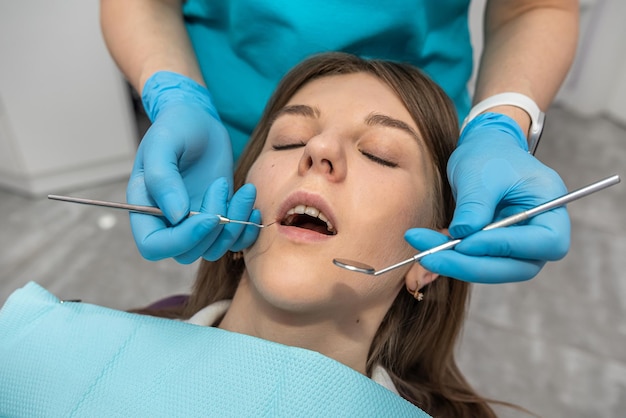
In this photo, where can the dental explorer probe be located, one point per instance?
(148, 210)
(511, 220)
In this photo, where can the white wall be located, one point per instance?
(596, 83)
(65, 115)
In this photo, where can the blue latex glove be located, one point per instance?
(185, 150)
(493, 176)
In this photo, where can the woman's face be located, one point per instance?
(345, 173)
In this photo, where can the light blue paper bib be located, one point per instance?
(76, 359)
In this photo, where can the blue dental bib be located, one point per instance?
(77, 359)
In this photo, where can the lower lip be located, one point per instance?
(302, 235)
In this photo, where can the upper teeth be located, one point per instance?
(311, 211)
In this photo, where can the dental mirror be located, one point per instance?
(359, 267)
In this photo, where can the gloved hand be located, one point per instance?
(493, 176)
(201, 235)
(183, 152)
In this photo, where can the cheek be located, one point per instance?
(392, 211)
(418, 199)
(263, 175)
(254, 173)
(408, 207)
(407, 200)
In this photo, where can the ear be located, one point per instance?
(418, 277)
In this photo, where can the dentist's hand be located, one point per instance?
(185, 150)
(201, 235)
(493, 176)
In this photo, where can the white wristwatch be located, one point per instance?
(537, 117)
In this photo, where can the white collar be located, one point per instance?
(209, 315)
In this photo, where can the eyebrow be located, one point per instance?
(372, 119)
(389, 122)
(302, 110)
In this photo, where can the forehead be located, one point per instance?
(356, 90)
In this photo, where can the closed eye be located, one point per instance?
(283, 147)
(379, 160)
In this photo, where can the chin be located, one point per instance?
(301, 290)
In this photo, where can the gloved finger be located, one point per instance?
(215, 200)
(545, 237)
(239, 208)
(423, 239)
(475, 208)
(214, 203)
(164, 242)
(249, 234)
(141, 225)
(453, 264)
(136, 192)
(163, 181)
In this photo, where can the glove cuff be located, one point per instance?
(165, 87)
(474, 130)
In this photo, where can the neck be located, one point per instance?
(341, 334)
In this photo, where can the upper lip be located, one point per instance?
(302, 197)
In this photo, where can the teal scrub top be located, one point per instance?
(244, 47)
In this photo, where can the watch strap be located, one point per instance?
(537, 117)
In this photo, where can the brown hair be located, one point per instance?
(415, 341)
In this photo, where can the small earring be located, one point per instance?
(419, 296)
(238, 255)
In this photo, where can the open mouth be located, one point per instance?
(308, 217)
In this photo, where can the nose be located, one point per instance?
(323, 155)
